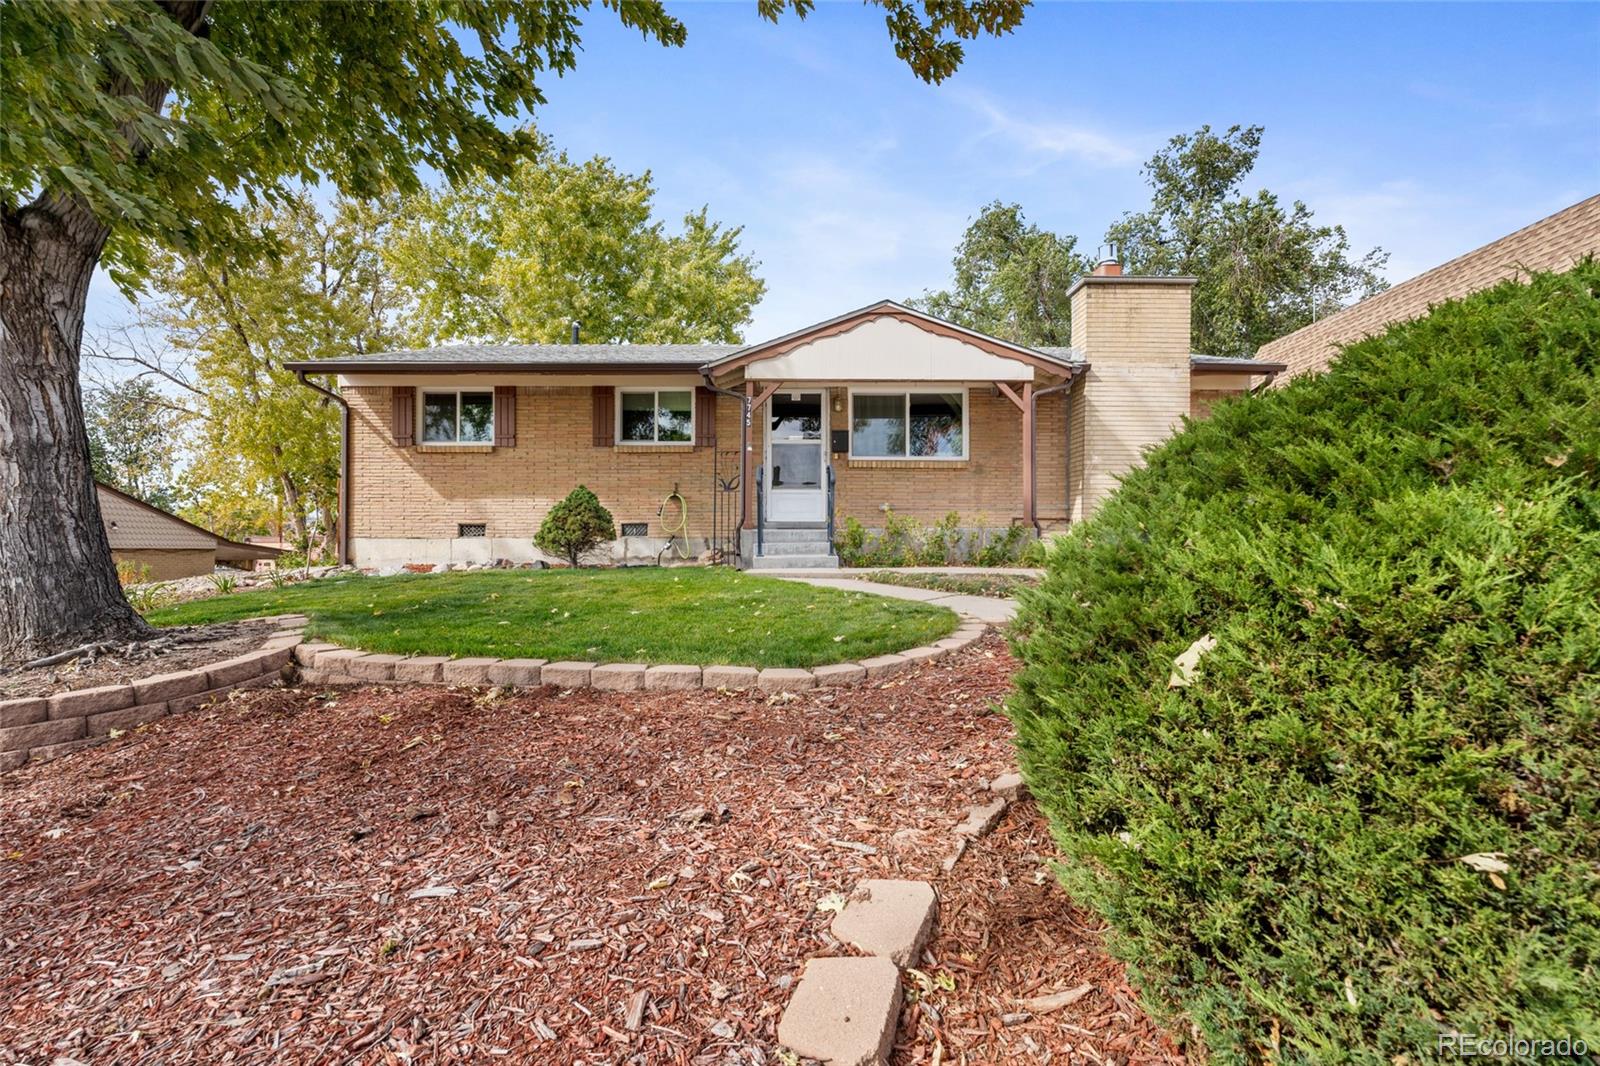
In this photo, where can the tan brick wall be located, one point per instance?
(427, 492)
(423, 492)
(1134, 333)
(1554, 243)
(987, 487)
(168, 565)
(1201, 400)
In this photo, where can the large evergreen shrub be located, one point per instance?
(1400, 564)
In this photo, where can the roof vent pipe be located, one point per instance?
(577, 327)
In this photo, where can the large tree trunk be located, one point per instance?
(58, 585)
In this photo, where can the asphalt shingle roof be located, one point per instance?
(558, 354)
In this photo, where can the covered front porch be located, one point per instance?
(886, 409)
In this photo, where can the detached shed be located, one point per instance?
(168, 545)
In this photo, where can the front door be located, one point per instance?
(797, 426)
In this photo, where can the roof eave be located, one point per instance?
(346, 366)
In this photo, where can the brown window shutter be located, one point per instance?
(705, 417)
(403, 415)
(505, 416)
(605, 417)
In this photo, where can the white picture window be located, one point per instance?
(655, 416)
(457, 417)
(908, 425)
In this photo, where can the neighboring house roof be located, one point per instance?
(133, 525)
(1553, 243)
(554, 357)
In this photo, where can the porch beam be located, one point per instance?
(1011, 394)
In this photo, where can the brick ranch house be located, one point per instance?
(455, 454)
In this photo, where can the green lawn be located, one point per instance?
(702, 616)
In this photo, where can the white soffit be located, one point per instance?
(888, 349)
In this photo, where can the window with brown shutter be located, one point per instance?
(705, 417)
(403, 415)
(505, 416)
(605, 418)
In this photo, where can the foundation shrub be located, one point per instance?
(576, 526)
(1399, 561)
(904, 541)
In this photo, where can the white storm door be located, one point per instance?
(797, 425)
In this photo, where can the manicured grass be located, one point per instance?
(648, 615)
(998, 585)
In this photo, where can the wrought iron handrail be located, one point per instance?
(830, 507)
(761, 507)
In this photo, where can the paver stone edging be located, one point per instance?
(40, 728)
(329, 664)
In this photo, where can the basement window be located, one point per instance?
(471, 529)
(457, 417)
(636, 529)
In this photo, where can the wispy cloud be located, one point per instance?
(1049, 139)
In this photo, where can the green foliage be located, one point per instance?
(146, 598)
(265, 446)
(132, 572)
(1398, 562)
(134, 433)
(702, 615)
(1263, 270)
(575, 526)
(1011, 279)
(266, 95)
(223, 583)
(518, 259)
(904, 541)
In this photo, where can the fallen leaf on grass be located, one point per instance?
(1489, 862)
(1055, 1000)
(1185, 665)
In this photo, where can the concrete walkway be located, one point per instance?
(991, 609)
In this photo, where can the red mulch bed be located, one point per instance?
(403, 875)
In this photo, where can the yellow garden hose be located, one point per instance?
(672, 531)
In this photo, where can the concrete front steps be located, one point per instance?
(796, 548)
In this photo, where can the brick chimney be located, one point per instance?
(1134, 334)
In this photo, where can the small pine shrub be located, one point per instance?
(575, 527)
(1299, 852)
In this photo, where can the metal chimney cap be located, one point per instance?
(577, 327)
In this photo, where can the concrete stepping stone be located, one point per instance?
(890, 919)
(843, 1012)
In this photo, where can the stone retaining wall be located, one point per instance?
(329, 664)
(35, 729)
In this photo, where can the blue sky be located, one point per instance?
(1426, 129)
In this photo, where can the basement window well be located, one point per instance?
(636, 529)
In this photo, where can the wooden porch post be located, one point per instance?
(1027, 453)
(1024, 403)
